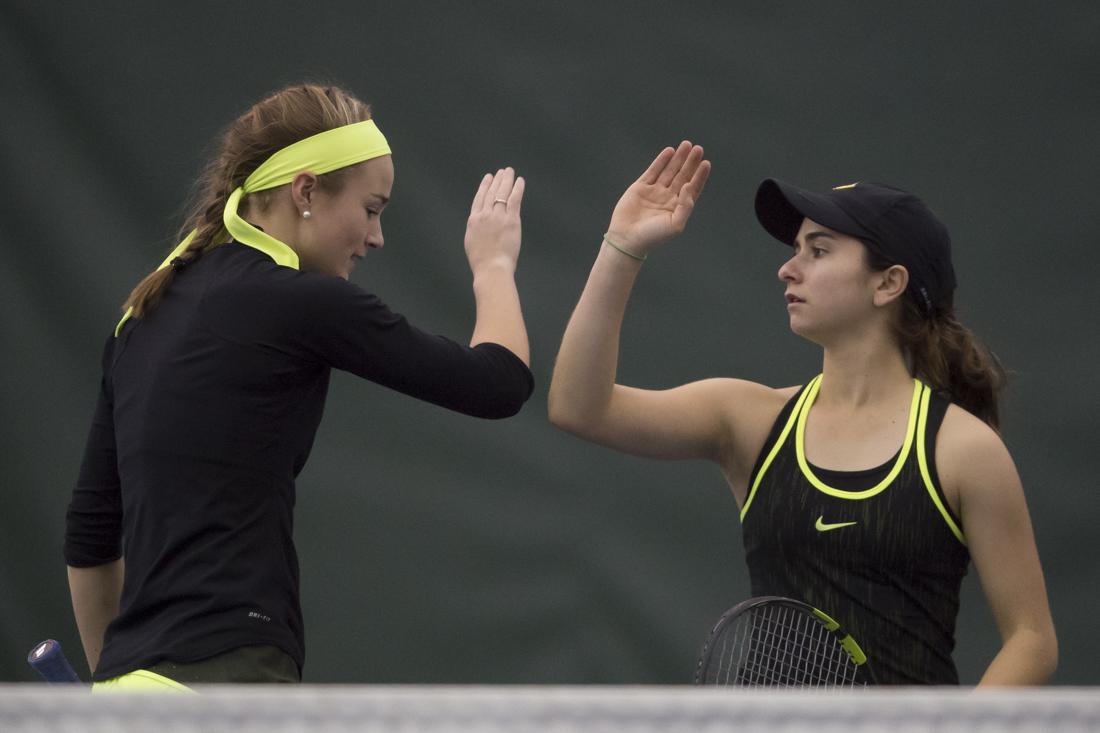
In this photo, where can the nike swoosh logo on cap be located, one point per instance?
(846, 185)
(821, 526)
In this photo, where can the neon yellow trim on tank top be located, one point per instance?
(922, 461)
(775, 448)
(800, 447)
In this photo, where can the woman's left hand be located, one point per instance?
(493, 229)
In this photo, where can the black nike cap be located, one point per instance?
(891, 222)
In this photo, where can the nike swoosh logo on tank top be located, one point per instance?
(822, 526)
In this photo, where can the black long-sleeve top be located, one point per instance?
(207, 411)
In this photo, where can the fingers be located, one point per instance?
(699, 180)
(491, 196)
(482, 192)
(502, 186)
(688, 195)
(500, 189)
(689, 168)
(515, 199)
(685, 204)
(658, 165)
(674, 164)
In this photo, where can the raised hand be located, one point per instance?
(493, 229)
(492, 248)
(658, 205)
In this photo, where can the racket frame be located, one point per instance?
(843, 638)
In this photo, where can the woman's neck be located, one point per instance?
(278, 220)
(862, 372)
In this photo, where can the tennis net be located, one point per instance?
(27, 708)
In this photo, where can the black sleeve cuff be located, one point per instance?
(93, 527)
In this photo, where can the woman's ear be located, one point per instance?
(892, 283)
(301, 191)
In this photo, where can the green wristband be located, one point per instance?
(631, 255)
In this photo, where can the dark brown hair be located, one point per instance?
(945, 353)
(283, 118)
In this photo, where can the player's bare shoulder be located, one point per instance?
(753, 401)
(749, 404)
(970, 457)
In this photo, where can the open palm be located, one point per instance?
(658, 205)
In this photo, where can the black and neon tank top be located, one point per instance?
(878, 550)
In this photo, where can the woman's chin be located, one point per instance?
(800, 328)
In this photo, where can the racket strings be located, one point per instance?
(778, 646)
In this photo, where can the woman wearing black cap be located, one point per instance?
(833, 511)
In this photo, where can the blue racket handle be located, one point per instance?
(50, 662)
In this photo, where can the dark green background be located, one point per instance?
(436, 548)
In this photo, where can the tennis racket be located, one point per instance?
(772, 641)
(50, 662)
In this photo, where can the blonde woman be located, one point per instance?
(179, 538)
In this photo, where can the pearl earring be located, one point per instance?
(306, 214)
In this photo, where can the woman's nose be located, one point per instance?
(787, 271)
(375, 240)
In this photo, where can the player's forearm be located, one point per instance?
(499, 314)
(95, 592)
(1026, 658)
(585, 369)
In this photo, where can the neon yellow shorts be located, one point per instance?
(140, 680)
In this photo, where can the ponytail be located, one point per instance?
(205, 220)
(284, 118)
(946, 354)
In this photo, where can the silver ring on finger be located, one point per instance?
(500, 201)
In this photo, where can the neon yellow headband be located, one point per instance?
(321, 153)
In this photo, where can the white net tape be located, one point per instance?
(331, 709)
